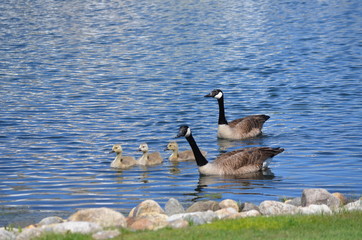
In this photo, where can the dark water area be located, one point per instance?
(77, 77)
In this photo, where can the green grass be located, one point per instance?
(338, 226)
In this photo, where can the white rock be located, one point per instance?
(30, 233)
(315, 209)
(106, 234)
(353, 206)
(226, 212)
(196, 218)
(250, 213)
(277, 208)
(73, 227)
(6, 235)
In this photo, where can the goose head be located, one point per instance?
(117, 148)
(172, 146)
(184, 131)
(143, 147)
(216, 93)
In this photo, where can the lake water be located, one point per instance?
(80, 76)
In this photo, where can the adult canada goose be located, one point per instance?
(149, 158)
(241, 128)
(121, 161)
(180, 156)
(237, 162)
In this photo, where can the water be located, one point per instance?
(80, 76)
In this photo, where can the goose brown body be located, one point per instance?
(238, 162)
(247, 127)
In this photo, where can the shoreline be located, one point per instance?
(149, 215)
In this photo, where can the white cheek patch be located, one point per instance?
(218, 96)
(188, 133)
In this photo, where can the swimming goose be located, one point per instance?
(237, 162)
(241, 128)
(180, 156)
(149, 158)
(121, 161)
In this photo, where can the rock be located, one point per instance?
(227, 203)
(142, 224)
(179, 223)
(341, 197)
(203, 206)
(250, 213)
(226, 213)
(277, 208)
(173, 207)
(6, 235)
(73, 227)
(195, 218)
(150, 221)
(249, 206)
(50, 220)
(146, 207)
(105, 234)
(105, 217)
(315, 209)
(319, 196)
(30, 233)
(295, 201)
(353, 206)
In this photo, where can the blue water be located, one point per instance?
(80, 76)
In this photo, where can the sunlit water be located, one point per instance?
(80, 76)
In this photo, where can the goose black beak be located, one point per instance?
(208, 95)
(111, 152)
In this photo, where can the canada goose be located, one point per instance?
(121, 161)
(180, 156)
(149, 158)
(237, 162)
(249, 126)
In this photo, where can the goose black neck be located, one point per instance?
(222, 118)
(200, 159)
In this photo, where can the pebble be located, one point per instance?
(149, 215)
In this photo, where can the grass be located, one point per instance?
(339, 226)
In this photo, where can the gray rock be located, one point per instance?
(73, 227)
(277, 208)
(195, 218)
(319, 196)
(203, 206)
(6, 235)
(354, 206)
(247, 206)
(105, 217)
(105, 234)
(50, 220)
(315, 209)
(295, 201)
(173, 207)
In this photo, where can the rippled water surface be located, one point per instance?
(80, 76)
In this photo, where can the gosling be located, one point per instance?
(149, 158)
(177, 156)
(121, 161)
